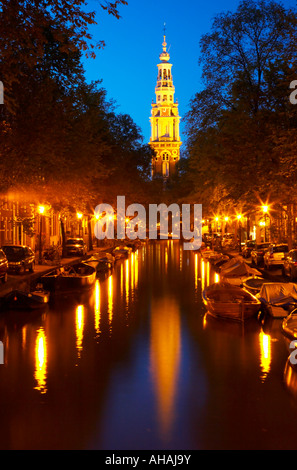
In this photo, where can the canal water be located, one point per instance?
(137, 363)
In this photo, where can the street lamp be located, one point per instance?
(79, 216)
(41, 210)
(217, 224)
(226, 225)
(265, 210)
(239, 227)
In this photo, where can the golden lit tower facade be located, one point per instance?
(165, 138)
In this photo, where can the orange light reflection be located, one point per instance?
(41, 361)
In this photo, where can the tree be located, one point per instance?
(235, 122)
(30, 27)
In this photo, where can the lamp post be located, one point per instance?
(265, 210)
(41, 210)
(239, 230)
(217, 223)
(79, 216)
(226, 224)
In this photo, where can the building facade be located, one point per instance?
(165, 136)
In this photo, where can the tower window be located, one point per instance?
(165, 169)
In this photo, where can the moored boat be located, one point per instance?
(22, 300)
(122, 251)
(70, 277)
(100, 261)
(278, 298)
(230, 302)
(289, 326)
(207, 253)
(253, 284)
(236, 272)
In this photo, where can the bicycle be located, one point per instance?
(51, 255)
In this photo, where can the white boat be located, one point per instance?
(230, 302)
(278, 298)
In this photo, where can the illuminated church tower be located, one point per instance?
(165, 138)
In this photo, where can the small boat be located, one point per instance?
(122, 251)
(208, 253)
(278, 298)
(100, 261)
(134, 244)
(230, 302)
(237, 271)
(218, 260)
(21, 300)
(70, 277)
(253, 284)
(289, 326)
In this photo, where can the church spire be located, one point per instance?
(165, 139)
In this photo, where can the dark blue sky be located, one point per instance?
(128, 63)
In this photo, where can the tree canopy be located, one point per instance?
(60, 137)
(241, 125)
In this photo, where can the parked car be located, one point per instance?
(248, 248)
(19, 258)
(257, 254)
(75, 246)
(3, 266)
(290, 265)
(275, 255)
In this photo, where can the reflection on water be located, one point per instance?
(137, 362)
(41, 361)
(265, 354)
(110, 302)
(165, 346)
(79, 328)
(97, 312)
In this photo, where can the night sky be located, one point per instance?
(128, 63)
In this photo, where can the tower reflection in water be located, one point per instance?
(165, 351)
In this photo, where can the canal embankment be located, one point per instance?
(28, 281)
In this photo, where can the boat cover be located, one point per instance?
(239, 269)
(278, 293)
(230, 263)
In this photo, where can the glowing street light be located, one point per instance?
(79, 215)
(239, 216)
(265, 209)
(41, 210)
